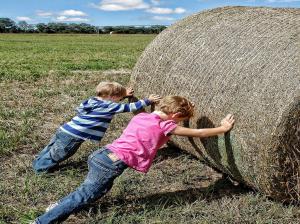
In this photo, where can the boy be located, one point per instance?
(135, 148)
(90, 123)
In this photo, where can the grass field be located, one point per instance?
(43, 79)
(25, 57)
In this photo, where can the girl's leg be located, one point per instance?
(102, 172)
(61, 147)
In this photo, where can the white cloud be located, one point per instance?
(71, 19)
(155, 2)
(44, 14)
(120, 5)
(179, 10)
(23, 18)
(274, 1)
(64, 16)
(156, 10)
(163, 18)
(72, 12)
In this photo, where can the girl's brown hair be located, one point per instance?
(177, 104)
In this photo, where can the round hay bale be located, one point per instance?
(240, 60)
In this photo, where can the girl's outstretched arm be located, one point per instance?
(226, 125)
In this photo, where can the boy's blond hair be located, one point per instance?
(107, 89)
(177, 104)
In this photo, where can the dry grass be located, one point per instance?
(178, 189)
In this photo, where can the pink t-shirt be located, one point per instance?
(141, 139)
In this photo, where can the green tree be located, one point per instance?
(7, 25)
(23, 26)
(41, 27)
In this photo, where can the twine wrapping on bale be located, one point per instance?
(240, 60)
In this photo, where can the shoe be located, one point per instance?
(34, 222)
(51, 206)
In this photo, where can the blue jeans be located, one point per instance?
(99, 180)
(60, 147)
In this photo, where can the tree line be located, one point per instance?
(7, 25)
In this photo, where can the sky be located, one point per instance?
(118, 12)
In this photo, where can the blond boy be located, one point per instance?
(90, 123)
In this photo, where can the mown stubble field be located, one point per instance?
(42, 79)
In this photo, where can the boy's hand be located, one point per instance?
(154, 98)
(227, 122)
(129, 91)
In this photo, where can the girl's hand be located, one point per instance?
(227, 122)
(154, 98)
(129, 91)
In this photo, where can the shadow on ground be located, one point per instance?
(220, 186)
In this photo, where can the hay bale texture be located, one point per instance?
(240, 60)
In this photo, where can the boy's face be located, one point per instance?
(116, 99)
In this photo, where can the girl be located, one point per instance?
(135, 148)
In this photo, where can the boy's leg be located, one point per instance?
(102, 172)
(61, 147)
(43, 159)
(47, 148)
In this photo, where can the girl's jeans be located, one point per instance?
(60, 147)
(102, 172)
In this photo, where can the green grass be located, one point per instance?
(43, 79)
(29, 56)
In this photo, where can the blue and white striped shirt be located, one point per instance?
(94, 116)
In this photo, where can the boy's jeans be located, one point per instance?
(99, 180)
(60, 147)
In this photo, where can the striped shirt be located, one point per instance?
(94, 115)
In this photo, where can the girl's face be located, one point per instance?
(177, 118)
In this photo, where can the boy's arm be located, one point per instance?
(131, 107)
(226, 125)
(135, 106)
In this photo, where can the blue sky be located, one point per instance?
(118, 12)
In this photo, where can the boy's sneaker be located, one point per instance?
(51, 206)
(34, 222)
